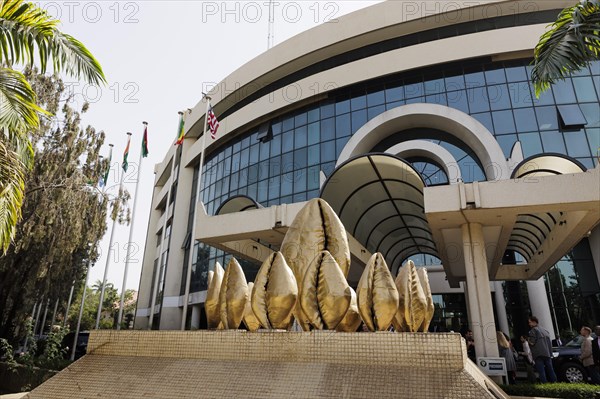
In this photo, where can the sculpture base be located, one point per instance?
(216, 364)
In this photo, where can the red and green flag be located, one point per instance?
(145, 141)
(126, 154)
(104, 179)
(180, 131)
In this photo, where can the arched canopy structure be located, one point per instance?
(379, 199)
(238, 203)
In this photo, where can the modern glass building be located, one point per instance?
(441, 87)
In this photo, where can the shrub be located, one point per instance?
(561, 390)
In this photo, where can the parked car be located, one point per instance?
(566, 361)
(82, 342)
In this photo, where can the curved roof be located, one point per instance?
(238, 203)
(379, 199)
(547, 164)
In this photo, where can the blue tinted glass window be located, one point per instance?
(506, 143)
(274, 185)
(327, 129)
(547, 118)
(395, 104)
(570, 116)
(253, 173)
(494, 77)
(413, 90)
(358, 103)
(287, 162)
(584, 87)
(300, 180)
(553, 142)
(374, 111)
(275, 166)
(263, 170)
(313, 133)
(287, 142)
(288, 124)
(516, 74)
(243, 177)
(300, 158)
(287, 183)
(439, 98)
(434, 86)
(546, 98)
(499, 97)
(394, 94)
(530, 143)
(313, 178)
(342, 125)
(265, 150)
(263, 191)
(339, 145)
(458, 100)
(485, 119)
(359, 118)
(327, 110)
(577, 145)
(328, 168)
(244, 158)
(300, 137)
(520, 95)
(503, 122)
(286, 200)
(276, 146)
(563, 92)
(592, 114)
(237, 146)
(595, 67)
(300, 197)
(301, 119)
(313, 115)
(235, 181)
(588, 163)
(235, 162)
(593, 136)
(314, 155)
(478, 99)
(328, 151)
(376, 98)
(251, 191)
(476, 79)
(596, 80)
(455, 83)
(525, 119)
(341, 107)
(415, 100)
(246, 142)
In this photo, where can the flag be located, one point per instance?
(104, 178)
(125, 155)
(180, 131)
(145, 142)
(213, 123)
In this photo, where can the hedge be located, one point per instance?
(562, 390)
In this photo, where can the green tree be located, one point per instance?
(28, 36)
(64, 214)
(571, 42)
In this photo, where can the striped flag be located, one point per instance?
(180, 131)
(145, 142)
(213, 123)
(126, 154)
(104, 178)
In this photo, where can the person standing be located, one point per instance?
(596, 347)
(541, 350)
(528, 359)
(508, 353)
(587, 357)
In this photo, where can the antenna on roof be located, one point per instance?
(271, 34)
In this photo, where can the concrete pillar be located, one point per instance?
(195, 322)
(501, 307)
(479, 293)
(540, 308)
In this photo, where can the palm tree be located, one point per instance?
(571, 42)
(27, 30)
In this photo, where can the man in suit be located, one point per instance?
(596, 347)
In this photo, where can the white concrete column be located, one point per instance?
(195, 321)
(540, 308)
(479, 293)
(594, 239)
(501, 307)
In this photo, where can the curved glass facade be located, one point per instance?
(285, 167)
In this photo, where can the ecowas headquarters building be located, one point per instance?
(418, 123)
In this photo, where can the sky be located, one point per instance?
(158, 57)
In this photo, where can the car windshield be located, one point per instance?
(576, 342)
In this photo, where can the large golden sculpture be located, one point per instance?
(233, 295)
(377, 295)
(424, 278)
(211, 306)
(316, 228)
(250, 320)
(351, 320)
(412, 310)
(324, 293)
(275, 293)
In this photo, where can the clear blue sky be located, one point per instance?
(158, 56)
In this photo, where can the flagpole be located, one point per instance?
(111, 241)
(129, 243)
(75, 339)
(162, 237)
(68, 305)
(188, 276)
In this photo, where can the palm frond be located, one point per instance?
(12, 189)
(571, 42)
(25, 27)
(18, 108)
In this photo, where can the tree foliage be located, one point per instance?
(64, 214)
